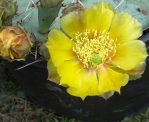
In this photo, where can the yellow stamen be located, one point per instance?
(93, 48)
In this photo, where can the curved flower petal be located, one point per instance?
(137, 72)
(97, 17)
(88, 87)
(129, 55)
(125, 28)
(110, 80)
(81, 92)
(70, 73)
(62, 45)
(77, 92)
(72, 23)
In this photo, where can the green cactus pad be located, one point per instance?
(28, 14)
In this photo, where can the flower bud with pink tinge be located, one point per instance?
(14, 43)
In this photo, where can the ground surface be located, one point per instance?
(15, 108)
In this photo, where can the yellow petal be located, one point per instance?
(110, 80)
(88, 87)
(99, 16)
(125, 28)
(90, 83)
(80, 81)
(72, 23)
(60, 47)
(77, 92)
(137, 72)
(129, 55)
(70, 73)
(52, 72)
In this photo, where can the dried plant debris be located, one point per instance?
(15, 108)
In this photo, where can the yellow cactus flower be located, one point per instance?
(97, 52)
(14, 43)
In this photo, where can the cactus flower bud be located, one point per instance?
(14, 43)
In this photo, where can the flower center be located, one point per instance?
(93, 48)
